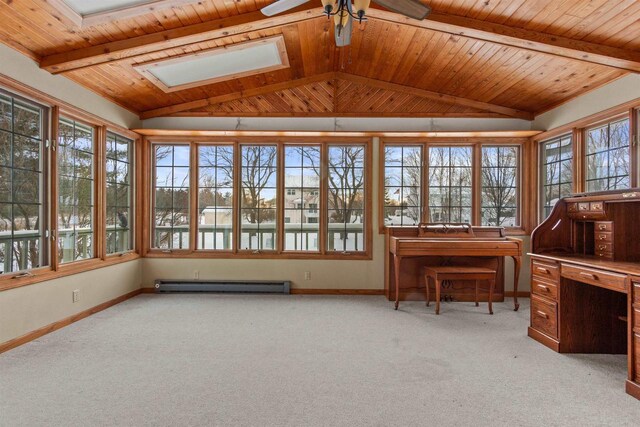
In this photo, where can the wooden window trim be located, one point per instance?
(281, 141)
(99, 142)
(627, 115)
(578, 129)
(135, 173)
(539, 216)
(151, 204)
(526, 171)
(45, 182)
(54, 270)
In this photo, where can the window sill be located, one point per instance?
(44, 274)
(209, 254)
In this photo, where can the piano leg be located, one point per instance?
(396, 267)
(516, 278)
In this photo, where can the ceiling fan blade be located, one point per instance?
(411, 8)
(344, 39)
(281, 6)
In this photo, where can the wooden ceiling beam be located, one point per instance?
(205, 102)
(176, 37)
(456, 100)
(450, 99)
(520, 38)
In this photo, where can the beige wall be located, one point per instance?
(28, 308)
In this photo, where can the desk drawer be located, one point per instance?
(603, 237)
(603, 279)
(604, 226)
(548, 271)
(636, 354)
(544, 316)
(604, 247)
(636, 292)
(544, 289)
(636, 317)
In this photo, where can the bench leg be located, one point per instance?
(438, 287)
(426, 282)
(476, 293)
(492, 285)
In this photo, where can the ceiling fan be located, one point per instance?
(343, 12)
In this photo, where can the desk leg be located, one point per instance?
(516, 278)
(396, 267)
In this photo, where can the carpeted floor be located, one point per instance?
(178, 360)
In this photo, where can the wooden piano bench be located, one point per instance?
(477, 274)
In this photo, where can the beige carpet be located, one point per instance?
(176, 360)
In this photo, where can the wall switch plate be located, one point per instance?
(196, 274)
(307, 275)
(76, 295)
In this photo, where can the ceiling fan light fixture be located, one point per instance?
(341, 19)
(328, 6)
(361, 7)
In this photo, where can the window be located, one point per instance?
(171, 197)
(557, 171)
(75, 191)
(402, 185)
(22, 185)
(500, 182)
(301, 180)
(296, 197)
(608, 156)
(215, 197)
(258, 193)
(346, 198)
(119, 156)
(450, 184)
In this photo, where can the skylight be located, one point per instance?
(87, 7)
(215, 65)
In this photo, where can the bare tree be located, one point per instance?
(499, 184)
(258, 166)
(346, 184)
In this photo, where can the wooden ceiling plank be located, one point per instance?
(520, 38)
(225, 27)
(438, 96)
(125, 12)
(200, 103)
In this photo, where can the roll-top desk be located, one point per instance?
(585, 278)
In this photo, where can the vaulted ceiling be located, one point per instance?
(469, 58)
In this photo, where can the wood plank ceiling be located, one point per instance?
(470, 58)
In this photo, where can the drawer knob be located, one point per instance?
(546, 288)
(589, 275)
(602, 247)
(542, 314)
(602, 227)
(603, 236)
(543, 270)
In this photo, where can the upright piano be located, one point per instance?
(409, 249)
(585, 278)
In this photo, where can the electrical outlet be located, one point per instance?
(307, 275)
(76, 295)
(196, 274)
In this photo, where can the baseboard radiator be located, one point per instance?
(232, 286)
